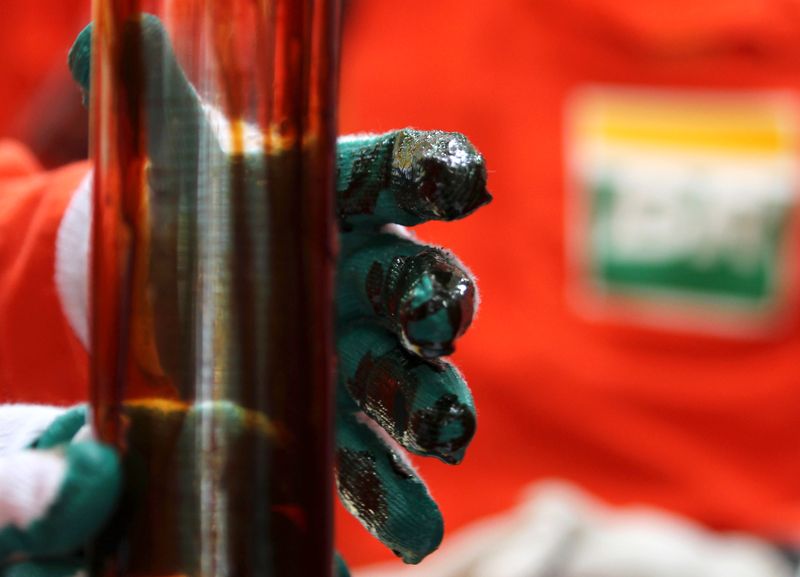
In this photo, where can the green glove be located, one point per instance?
(64, 488)
(400, 304)
(56, 494)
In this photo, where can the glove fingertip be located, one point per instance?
(63, 428)
(438, 175)
(416, 543)
(340, 566)
(80, 57)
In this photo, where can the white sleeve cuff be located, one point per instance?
(72, 259)
(30, 481)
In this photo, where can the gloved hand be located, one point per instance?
(56, 490)
(60, 486)
(400, 304)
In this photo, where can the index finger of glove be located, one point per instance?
(408, 177)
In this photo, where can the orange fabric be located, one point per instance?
(41, 359)
(35, 38)
(704, 426)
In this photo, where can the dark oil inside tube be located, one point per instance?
(235, 481)
(213, 352)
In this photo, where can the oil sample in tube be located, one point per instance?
(212, 254)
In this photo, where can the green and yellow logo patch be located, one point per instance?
(682, 206)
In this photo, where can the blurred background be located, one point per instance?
(636, 360)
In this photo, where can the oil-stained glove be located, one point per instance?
(401, 305)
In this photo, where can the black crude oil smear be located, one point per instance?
(451, 289)
(361, 488)
(431, 174)
(369, 175)
(386, 389)
(448, 412)
(438, 175)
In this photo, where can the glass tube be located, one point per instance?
(211, 283)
